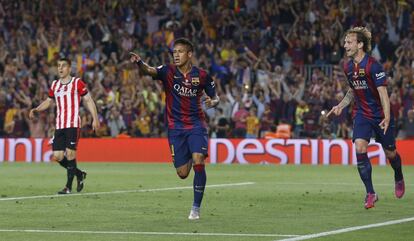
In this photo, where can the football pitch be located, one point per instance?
(123, 201)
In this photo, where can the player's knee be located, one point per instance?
(361, 149)
(198, 158)
(56, 157)
(390, 154)
(183, 171)
(70, 154)
(182, 175)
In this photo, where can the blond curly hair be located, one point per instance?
(363, 35)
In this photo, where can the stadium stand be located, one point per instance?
(275, 53)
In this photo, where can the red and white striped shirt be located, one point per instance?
(67, 97)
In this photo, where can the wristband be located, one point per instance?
(139, 62)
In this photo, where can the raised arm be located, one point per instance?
(59, 39)
(135, 58)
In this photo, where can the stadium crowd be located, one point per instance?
(276, 63)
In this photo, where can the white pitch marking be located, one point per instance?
(350, 229)
(148, 233)
(124, 191)
(330, 183)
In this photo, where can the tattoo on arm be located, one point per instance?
(146, 68)
(349, 97)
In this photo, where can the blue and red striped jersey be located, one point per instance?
(184, 94)
(364, 78)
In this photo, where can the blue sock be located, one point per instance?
(199, 183)
(396, 165)
(365, 171)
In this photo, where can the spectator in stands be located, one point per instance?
(115, 122)
(301, 110)
(407, 126)
(240, 125)
(230, 42)
(252, 124)
(221, 124)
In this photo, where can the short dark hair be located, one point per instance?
(67, 60)
(186, 42)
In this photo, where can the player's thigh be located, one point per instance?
(71, 138)
(180, 152)
(362, 129)
(198, 145)
(387, 140)
(59, 141)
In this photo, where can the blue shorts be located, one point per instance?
(364, 129)
(183, 143)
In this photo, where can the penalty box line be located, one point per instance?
(123, 191)
(347, 230)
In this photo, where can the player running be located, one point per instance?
(184, 85)
(371, 113)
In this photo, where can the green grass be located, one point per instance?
(292, 200)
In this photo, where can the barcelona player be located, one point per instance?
(371, 113)
(185, 85)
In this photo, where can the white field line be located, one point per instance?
(146, 233)
(332, 183)
(123, 191)
(350, 229)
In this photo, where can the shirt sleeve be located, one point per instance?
(162, 71)
(378, 75)
(210, 87)
(82, 90)
(51, 94)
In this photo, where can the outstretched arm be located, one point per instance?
(135, 58)
(90, 105)
(337, 110)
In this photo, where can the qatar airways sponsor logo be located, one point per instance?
(380, 75)
(185, 91)
(359, 84)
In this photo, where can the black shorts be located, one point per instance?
(65, 138)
